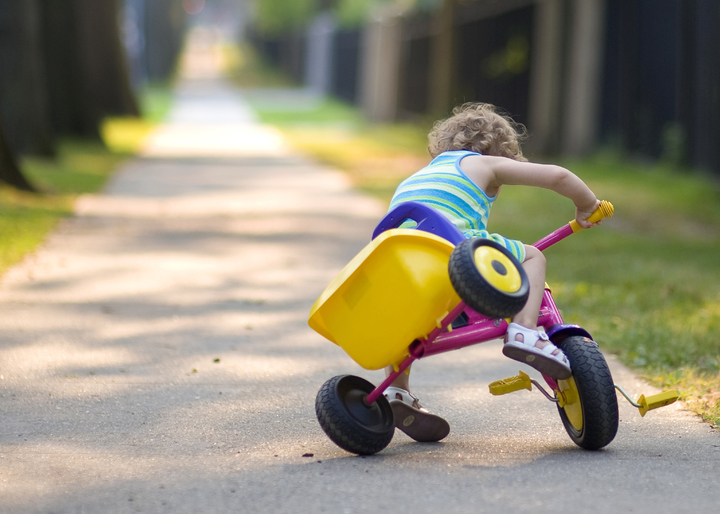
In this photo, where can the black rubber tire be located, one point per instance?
(348, 421)
(475, 290)
(596, 391)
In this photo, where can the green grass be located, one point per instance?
(127, 135)
(155, 102)
(646, 283)
(24, 222)
(26, 218)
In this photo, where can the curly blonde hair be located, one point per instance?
(478, 127)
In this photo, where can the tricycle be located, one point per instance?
(417, 292)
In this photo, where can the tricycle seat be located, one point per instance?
(427, 219)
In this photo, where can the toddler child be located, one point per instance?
(475, 152)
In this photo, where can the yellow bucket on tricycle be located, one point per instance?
(392, 293)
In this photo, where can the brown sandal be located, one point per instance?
(415, 421)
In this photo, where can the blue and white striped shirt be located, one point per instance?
(443, 186)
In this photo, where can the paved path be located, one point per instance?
(155, 357)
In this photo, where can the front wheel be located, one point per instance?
(349, 421)
(588, 405)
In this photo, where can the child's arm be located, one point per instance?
(490, 172)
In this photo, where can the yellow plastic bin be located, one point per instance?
(393, 292)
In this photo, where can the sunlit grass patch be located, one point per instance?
(155, 102)
(699, 389)
(126, 135)
(80, 167)
(26, 218)
(667, 333)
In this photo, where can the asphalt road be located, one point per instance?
(155, 357)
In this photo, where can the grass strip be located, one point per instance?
(26, 218)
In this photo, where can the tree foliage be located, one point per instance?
(85, 65)
(275, 16)
(64, 68)
(353, 12)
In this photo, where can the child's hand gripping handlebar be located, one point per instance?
(605, 210)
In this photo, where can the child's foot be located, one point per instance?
(412, 419)
(535, 349)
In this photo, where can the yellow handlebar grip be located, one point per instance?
(604, 210)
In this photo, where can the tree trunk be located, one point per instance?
(23, 98)
(442, 61)
(88, 76)
(164, 30)
(9, 170)
(105, 68)
(64, 71)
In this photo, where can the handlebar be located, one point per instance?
(604, 210)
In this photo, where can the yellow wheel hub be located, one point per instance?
(570, 402)
(497, 269)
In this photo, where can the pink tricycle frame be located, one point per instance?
(480, 329)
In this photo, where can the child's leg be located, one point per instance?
(534, 265)
(402, 381)
(523, 342)
(410, 416)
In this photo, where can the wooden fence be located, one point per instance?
(643, 75)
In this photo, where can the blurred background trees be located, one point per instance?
(67, 65)
(641, 76)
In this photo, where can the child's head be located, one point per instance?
(477, 127)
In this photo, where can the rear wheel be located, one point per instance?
(488, 278)
(349, 421)
(588, 405)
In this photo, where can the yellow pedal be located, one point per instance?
(656, 401)
(510, 385)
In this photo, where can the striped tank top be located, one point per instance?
(443, 186)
